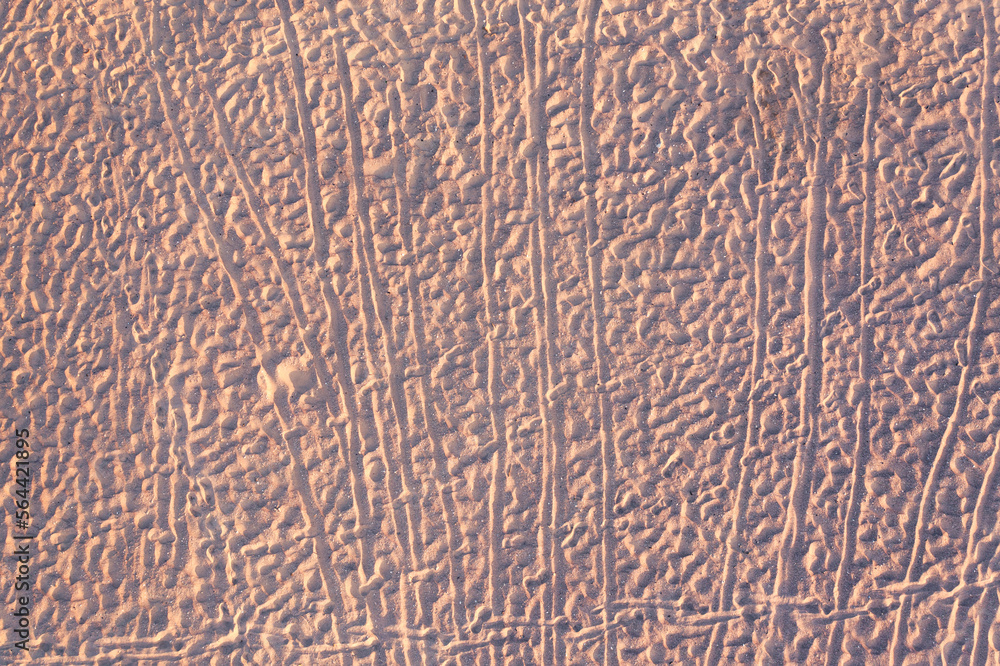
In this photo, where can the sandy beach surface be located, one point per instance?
(499, 332)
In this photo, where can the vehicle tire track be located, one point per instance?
(553, 507)
(498, 496)
(374, 310)
(609, 455)
(987, 270)
(290, 435)
(789, 555)
(741, 467)
(306, 332)
(426, 416)
(862, 444)
(953, 644)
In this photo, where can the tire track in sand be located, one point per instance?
(349, 440)
(740, 472)
(290, 435)
(987, 274)
(789, 556)
(533, 74)
(595, 275)
(862, 443)
(551, 385)
(326, 378)
(426, 416)
(498, 482)
(373, 308)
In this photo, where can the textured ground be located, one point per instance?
(507, 332)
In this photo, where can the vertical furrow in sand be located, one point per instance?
(374, 308)
(546, 503)
(290, 435)
(526, 33)
(985, 617)
(595, 274)
(166, 446)
(350, 449)
(426, 416)
(954, 643)
(862, 444)
(553, 506)
(789, 555)
(494, 321)
(286, 277)
(532, 77)
(740, 472)
(189, 551)
(115, 162)
(161, 451)
(404, 496)
(292, 292)
(180, 461)
(307, 131)
(124, 402)
(987, 274)
(350, 441)
(125, 345)
(340, 375)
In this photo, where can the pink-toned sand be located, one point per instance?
(500, 332)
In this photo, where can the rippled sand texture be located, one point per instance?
(503, 332)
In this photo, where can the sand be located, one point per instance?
(499, 332)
